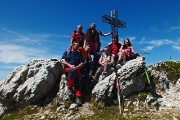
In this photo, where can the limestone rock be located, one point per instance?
(131, 77)
(30, 83)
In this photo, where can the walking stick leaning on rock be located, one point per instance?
(119, 91)
(151, 86)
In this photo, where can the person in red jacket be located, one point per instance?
(78, 36)
(115, 47)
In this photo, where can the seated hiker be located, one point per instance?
(106, 61)
(115, 47)
(78, 36)
(86, 68)
(127, 51)
(73, 61)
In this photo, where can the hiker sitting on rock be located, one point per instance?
(106, 61)
(127, 51)
(73, 61)
(115, 47)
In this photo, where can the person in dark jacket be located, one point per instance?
(73, 61)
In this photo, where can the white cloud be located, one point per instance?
(148, 48)
(132, 38)
(144, 38)
(10, 53)
(175, 28)
(8, 35)
(6, 66)
(176, 48)
(158, 42)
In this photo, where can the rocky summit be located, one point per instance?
(33, 83)
(28, 84)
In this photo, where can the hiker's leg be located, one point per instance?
(97, 74)
(77, 84)
(71, 76)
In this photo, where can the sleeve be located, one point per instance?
(112, 59)
(99, 32)
(81, 58)
(64, 56)
(73, 35)
(100, 59)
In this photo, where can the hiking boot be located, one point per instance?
(123, 63)
(79, 101)
(104, 74)
(70, 91)
(120, 61)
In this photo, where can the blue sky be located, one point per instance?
(41, 29)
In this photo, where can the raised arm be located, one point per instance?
(132, 49)
(103, 34)
(121, 48)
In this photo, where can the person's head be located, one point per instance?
(107, 50)
(93, 25)
(79, 28)
(91, 35)
(75, 46)
(127, 42)
(114, 39)
(88, 47)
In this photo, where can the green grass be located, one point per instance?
(18, 113)
(172, 69)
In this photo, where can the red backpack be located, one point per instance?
(79, 37)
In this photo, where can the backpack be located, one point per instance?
(79, 38)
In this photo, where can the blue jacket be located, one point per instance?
(73, 58)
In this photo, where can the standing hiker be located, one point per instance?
(93, 25)
(78, 36)
(93, 37)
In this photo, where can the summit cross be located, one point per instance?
(114, 22)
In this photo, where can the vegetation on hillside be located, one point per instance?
(172, 69)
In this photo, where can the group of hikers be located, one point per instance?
(84, 59)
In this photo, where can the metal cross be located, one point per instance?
(115, 23)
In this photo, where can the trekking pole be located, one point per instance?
(118, 90)
(153, 92)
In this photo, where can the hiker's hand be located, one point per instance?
(72, 66)
(135, 53)
(102, 64)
